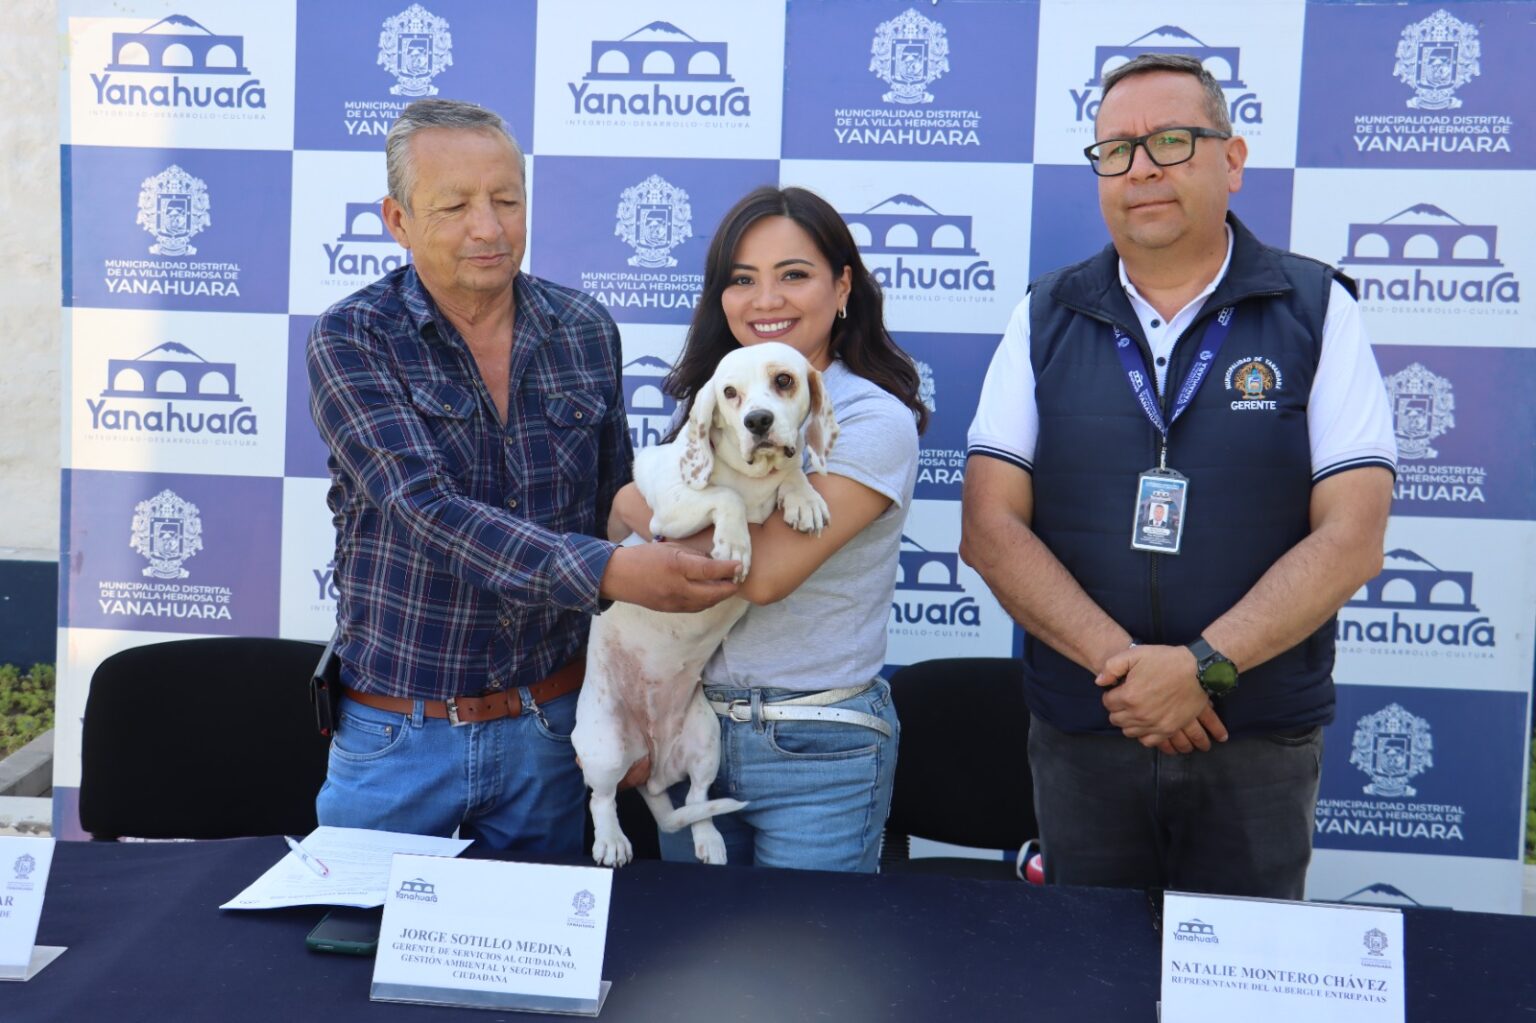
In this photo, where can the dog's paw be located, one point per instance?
(612, 850)
(805, 509)
(733, 543)
(708, 845)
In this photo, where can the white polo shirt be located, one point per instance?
(1349, 422)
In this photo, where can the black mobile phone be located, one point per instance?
(325, 689)
(347, 930)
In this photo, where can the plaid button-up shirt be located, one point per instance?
(467, 555)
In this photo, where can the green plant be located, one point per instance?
(1530, 809)
(26, 705)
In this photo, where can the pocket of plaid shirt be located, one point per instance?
(448, 411)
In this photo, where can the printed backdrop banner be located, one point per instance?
(223, 166)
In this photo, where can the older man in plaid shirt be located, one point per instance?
(477, 434)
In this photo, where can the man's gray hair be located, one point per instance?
(400, 169)
(1215, 99)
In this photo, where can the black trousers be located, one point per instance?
(1236, 820)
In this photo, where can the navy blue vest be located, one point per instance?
(1247, 457)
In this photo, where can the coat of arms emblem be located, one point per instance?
(1435, 57)
(1375, 941)
(926, 391)
(1423, 408)
(25, 864)
(415, 47)
(173, 206)
(1392, 746)
(166, 532)
(908, 53)
(654, 217)
(583, 902)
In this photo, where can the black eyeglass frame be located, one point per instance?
(1195, 132)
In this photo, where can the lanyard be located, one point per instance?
(1142, 382)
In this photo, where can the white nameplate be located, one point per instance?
(1228, 958)
(24, 864)
(494, 935)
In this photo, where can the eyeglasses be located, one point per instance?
(1167, 148)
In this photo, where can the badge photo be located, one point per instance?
(1158, 522)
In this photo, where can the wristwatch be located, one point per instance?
(1217, 675)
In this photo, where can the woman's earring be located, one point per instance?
(842, 312)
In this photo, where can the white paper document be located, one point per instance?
(1228, 959)
(494, 935)
(24, 866)
(358, 862)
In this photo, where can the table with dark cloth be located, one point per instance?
(688, 943)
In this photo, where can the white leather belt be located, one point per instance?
(810, 707)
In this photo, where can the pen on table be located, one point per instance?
(312, 862)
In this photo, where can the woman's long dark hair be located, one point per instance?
(860, 340)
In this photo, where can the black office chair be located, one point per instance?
(962, 770)
(202, 738)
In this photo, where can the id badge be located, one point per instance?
(1158, 525)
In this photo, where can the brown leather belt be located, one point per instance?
(469, 710)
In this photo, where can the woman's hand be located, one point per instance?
(630, 514)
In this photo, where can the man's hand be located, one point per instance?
(667, 577)
(1153, 696)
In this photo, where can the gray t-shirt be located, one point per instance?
(830, 631)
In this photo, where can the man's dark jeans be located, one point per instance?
(1236, 820)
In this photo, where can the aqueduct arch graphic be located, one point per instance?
(209, 54)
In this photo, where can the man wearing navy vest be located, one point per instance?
(1179, 673)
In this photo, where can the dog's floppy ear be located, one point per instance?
(698, 458)
(820, 425)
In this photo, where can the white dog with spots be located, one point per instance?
(737, 459)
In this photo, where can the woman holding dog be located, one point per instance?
(807, 731)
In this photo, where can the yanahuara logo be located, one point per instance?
(1454, 264)
(326, 589)
(1415, 606)
(1221, 61)
(1391, 747)
(647, 405)
(909, 53)
(364, 250)
(1435, 56)
(653, 217)
(1423, 409)
(656, 73)
(1382, 894)
(1252, 381)
(417, 890)
(1196, 930)
(914, 251)
(167, 531)
(415, 47)
(159, 55)
(166, 392)
(174, 207)
(930, 600)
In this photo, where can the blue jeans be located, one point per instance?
(817, 791)
(512, 784)
(1236, 820)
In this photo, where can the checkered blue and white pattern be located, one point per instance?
(222, 167)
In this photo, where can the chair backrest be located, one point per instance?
(202, 738)
(962, 771)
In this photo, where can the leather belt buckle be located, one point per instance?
(745, 709)
(452, 705)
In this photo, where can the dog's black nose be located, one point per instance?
(758, 421)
